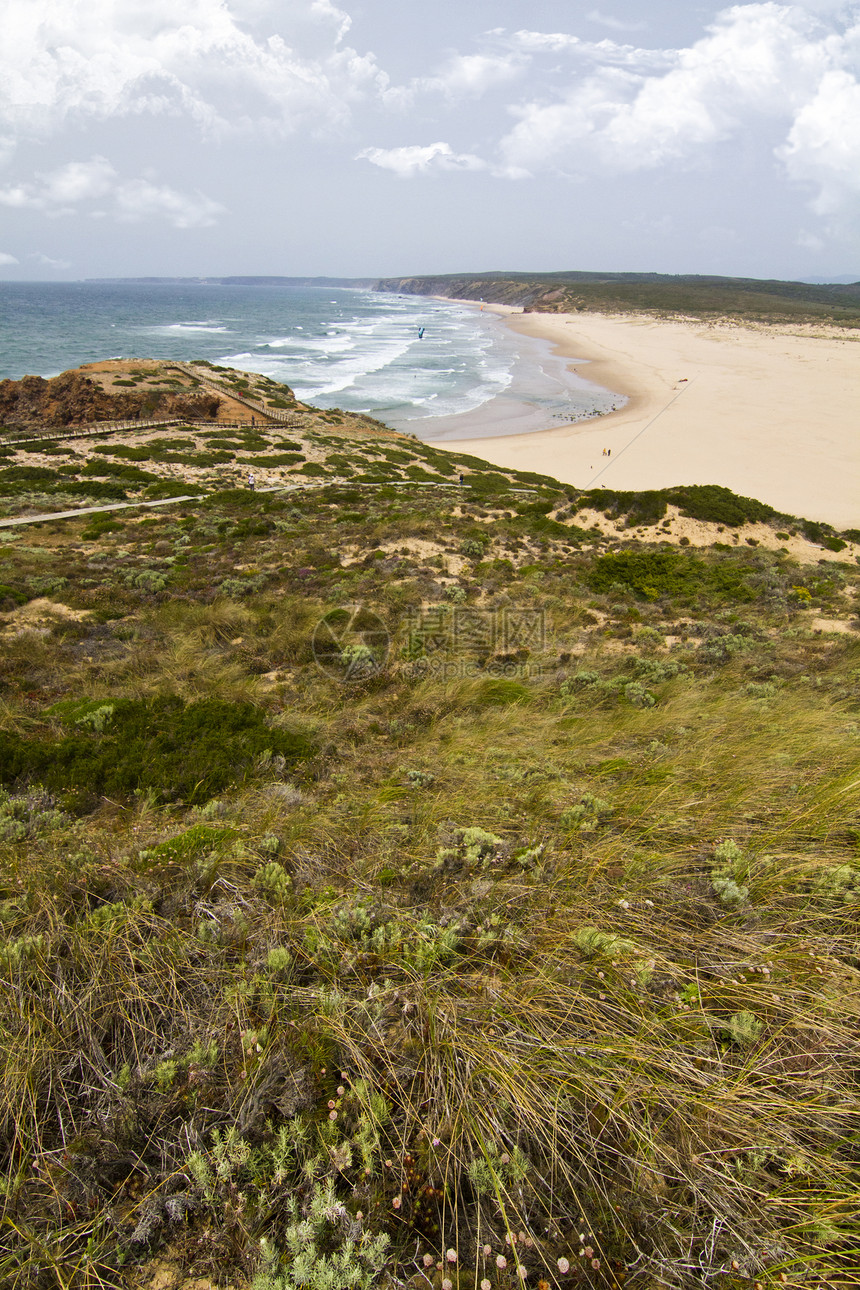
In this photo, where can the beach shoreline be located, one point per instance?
(769, 411)
(543, 390)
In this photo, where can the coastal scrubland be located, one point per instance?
(747, 300)
(421, 873)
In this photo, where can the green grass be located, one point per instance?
(546, 926)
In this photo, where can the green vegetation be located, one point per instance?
(389, 895)
(691, 295)
(161, 745)
(650, 575)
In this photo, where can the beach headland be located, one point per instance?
(769, 411)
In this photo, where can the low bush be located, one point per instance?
(11, 597)
(489, 483)
(652, 574)
(29, 473)
(100, 489)
(719, 505)
(99, 526)
(171, 488)
(173, 749)
(131, 474)
(646, 507)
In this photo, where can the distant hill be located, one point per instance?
(692, 295)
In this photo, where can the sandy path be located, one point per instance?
(770, 412)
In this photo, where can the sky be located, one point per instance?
(394, 137)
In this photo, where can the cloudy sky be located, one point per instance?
(386, 137)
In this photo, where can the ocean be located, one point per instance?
(354, 349)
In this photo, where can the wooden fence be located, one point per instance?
(274, 414)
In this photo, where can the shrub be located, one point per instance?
(829, 541)
(132, 474)
(11, 597)
(718, 505)
(840, 882)
(28, 473)
(176, 750)
(652, 574)
(646, 507)
(498, 692)
(171, 488)
(731, 866)
(588, 812)
(729, 892)
(326, 1248)
(719, 649)
(656, 671)
(98, 488)
(99, 526)
(592, 942)
(191, 844)
(489, 482)
(235, 588)
(636, 694)
(471, 848)
(26, 815)
(744, 1029)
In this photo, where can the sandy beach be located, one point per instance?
(770, 412)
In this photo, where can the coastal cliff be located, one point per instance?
(656, 294)
(72, 398)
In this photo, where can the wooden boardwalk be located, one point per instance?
(273, 414)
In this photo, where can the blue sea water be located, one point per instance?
(336, 347)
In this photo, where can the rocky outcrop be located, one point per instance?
(73, 399)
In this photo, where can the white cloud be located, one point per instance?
(616, 24)
(59, 191)
(78, 181)
(48, 261)
(326, 10)
(6, 258)
(777, 66)
(414, 160)
(471, 75)
(139, 200)
(65, 190)
(823, 145)
(78, 60)
(603, 52)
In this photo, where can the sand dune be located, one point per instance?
(770, 412)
